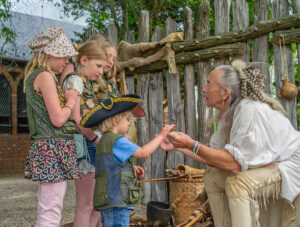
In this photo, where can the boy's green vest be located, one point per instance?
(40, 126)
(115, 183)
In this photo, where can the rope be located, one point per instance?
(284, 68)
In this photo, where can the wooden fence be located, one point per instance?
(199, 53)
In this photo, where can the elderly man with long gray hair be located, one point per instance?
(253, 155)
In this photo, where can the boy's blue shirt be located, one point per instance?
(123, 149)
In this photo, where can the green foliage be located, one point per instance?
(125, 14)
(6, 33)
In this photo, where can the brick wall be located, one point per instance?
(13, 153)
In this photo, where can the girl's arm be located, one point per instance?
(67, 70)
(87, 132)
(45, 83)
(146, 150)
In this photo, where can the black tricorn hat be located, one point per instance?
(113, 106)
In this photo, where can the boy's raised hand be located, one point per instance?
(166, 130)
(166, 145)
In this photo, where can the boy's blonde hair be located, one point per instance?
(107, 125)
(38, 60)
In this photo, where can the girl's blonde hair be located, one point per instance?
(38, 60)
(90, 49)
(106, 125)
(120, 80)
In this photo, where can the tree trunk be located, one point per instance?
(125, 18)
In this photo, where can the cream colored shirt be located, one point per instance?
(260, 136)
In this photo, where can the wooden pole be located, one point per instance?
(158, 190)
(260, 51)
(279, 9)
(189, 86)
(240, 11)
(175, 107)
(203, 70)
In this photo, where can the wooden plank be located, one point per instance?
(260, 50)
(240, 11)
(296, 9)
(189, 86)
(203, 70)
(175, 107)
(112, 34)
(252, 32)
(129, 37)
(143, 123)
(158, 189)
(194, 56)
(279, 9)
(222, 17)
(290, 36)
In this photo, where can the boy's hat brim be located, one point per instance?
(110, 107)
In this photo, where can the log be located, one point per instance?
(189, 86)
(260, 45)
(279, 9)
(240, 12)
(112, 34)
(158, 190)
(142, 90)
(129, 37)
(260, 29)
(203, 70)
(175, 107)
(193, 56)
(222, 17)
(290, 36)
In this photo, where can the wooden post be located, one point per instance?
(129, 37)
(112, 34)
(203, 70)
(143, 91)
(158, 189)
(222, 17)
(260, 45)
(175, 108)
(189, 86)
(240, 11)
(296, 9)
(279, 9)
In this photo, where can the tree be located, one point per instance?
(125, 13)
(6, 33)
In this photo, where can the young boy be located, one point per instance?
(116, 191)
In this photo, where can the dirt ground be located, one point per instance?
(18, 203)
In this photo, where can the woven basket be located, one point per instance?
(192, 188)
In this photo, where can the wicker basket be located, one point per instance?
(192, 188)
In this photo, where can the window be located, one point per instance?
(5, 106)
(21, 110)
